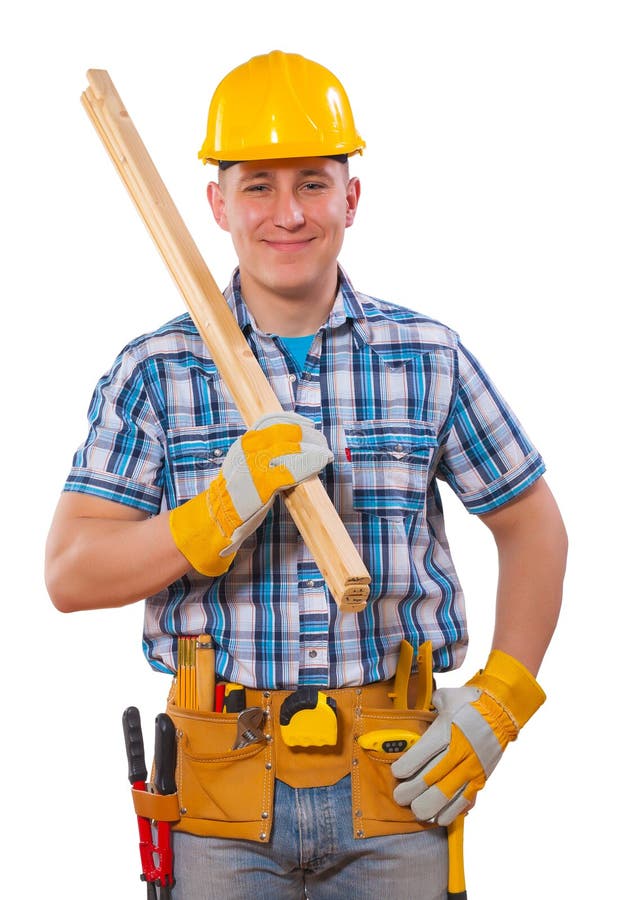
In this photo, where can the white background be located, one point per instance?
(489, 201)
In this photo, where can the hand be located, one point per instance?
(280, 451)
(442, 773)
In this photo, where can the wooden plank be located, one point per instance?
(308, 503)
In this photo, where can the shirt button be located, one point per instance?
(311, 583)
(292, 377)
(313, 654)
(399, 448)
(218, 452)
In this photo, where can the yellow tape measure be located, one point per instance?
(308, 718)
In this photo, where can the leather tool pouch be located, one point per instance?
(222, 792)
(374, 812)
(229, 793)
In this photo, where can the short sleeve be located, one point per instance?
(487, 458)
(122, 456)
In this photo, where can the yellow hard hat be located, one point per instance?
(279, 106)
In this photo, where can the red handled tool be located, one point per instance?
(134, 742)
(156, 874)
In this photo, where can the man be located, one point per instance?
(170, 498)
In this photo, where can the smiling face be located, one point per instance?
(287, 220)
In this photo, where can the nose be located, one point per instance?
(288, 212)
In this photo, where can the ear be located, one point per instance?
(217, 204)
(352, 197)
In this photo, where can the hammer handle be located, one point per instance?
(456, 877)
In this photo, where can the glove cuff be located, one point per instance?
(199, 535)
(510, 683)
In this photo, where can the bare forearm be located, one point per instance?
(532, 548)
(528, 601)
(95, 563)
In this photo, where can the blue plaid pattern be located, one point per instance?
(402, 403)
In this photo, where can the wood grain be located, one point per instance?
(308, 503)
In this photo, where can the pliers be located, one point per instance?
(156, 875)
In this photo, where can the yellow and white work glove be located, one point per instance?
(280, 451)
(442, 773)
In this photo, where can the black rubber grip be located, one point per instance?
(304, 698)
(134, 742)
(235, 701)
(459, 895)
(165, 755)
(330, 701)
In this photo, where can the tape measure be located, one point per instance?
(308, 718)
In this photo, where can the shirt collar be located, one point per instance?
(396, 346)
(347, 305)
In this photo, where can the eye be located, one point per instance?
(256, 188)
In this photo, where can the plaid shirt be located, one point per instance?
(402, 404)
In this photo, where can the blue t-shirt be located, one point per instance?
(298, 347)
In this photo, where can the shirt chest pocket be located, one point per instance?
(195, 456)
(390, 461)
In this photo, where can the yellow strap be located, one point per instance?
(160, 807)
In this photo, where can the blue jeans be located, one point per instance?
(312, 853)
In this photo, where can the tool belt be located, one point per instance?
(229, 793)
